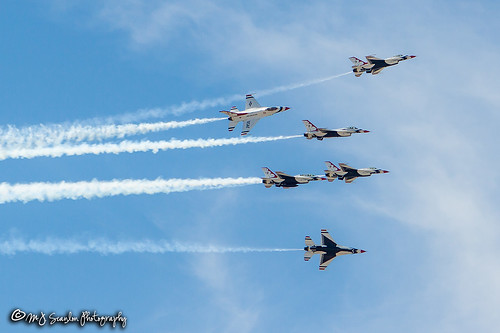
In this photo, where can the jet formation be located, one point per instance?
(343, 172)
(328, 249)
(321, 133)
(252, 114)
(375, 65)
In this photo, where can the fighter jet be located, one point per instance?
(253, 112)
(347, 173)
(320, 133)
(328, 249)
(375, 65)
(281, 179)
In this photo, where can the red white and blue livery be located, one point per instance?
(347, 173)
(321, 133)
(375, 65)
(328, 249)
(281, 179)
(252, 114)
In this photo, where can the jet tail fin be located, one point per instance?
(269, 173)
(309, 126)
(232, 125)
(357, 62)
(331, 171)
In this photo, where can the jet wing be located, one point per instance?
(284, 175)
(325, 260)
(251, 103)
(288, 181)
(345, 167)
(373, 59)
(247, 125)
(376, 71)
(350, 180)
(326, 239)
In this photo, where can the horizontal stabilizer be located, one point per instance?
(308, 255)
(232, 125)
(309, 241)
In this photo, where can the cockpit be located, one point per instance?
(273, 108)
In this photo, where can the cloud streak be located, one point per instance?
(43, 191)
(53, 246)
(131, 147)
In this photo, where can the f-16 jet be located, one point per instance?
(328, 249)
(375, 65)
(253, 112)
(347, 173)
(281, 179)
(321, 133)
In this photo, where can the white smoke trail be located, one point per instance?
(211, 103)
(49, 135)
(131, 147)
(43, 191)
(298, 85)
(105, 247)
(46, 135)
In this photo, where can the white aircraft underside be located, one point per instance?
(252, 114)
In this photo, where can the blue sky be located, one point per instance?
(430, 226)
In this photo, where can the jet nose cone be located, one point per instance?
(412, 56)
(286, 108)
(362, 251)
(385, 171)
(365, 131)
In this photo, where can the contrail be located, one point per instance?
(50, 135)
(43, 191)
(211, 103)
(47, 135)
(106, 247)
(298, 85)
(131, 147)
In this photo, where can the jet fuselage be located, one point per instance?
(335, 251)
(255, 113)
